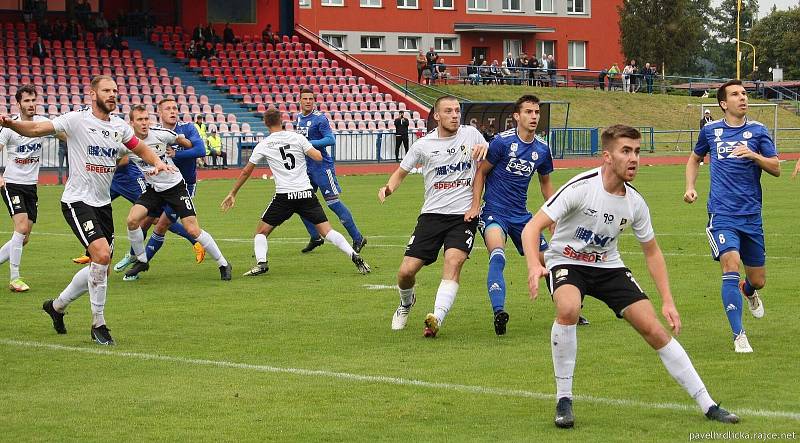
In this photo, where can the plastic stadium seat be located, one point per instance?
(223, 128)
(246, 128)
(234, 127)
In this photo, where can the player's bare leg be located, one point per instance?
(406, 279)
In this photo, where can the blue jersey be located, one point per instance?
(186, 159)
(127, 176)
(514, 162)
(317, 130)
(735, 182)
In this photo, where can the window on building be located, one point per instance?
(543, 5)
(337, 41)
(304, 3)
(407, 43)
(576, 6)
(407, 4)
(371, 3)
(512, 46)
(371, 43)
(545, 47)
(332, 2)
(478, 5)
(512, 5)
(577, 55)
(442, 4)
(444, 44)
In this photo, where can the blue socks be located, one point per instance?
(153, 245)
(732, 301)
(177, 228)
(495, 282)
(749, 290)
(346, 218)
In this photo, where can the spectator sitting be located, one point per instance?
(472, 73)
(227, 35)
(485, 72)
(214, 148)
(211, 34)
(441, 71)
(199, 33)
(494, 73)
(507, 75)
(267, 36)
(38, 49)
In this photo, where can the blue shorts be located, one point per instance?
(324, 178)
(127, 189)
(511, 226)
(167, 209)
(743, 233)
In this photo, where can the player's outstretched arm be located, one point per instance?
(28, 129)
(394, 182)
(230, 199)
(692, 167)
(314, 154)
(530, 246)
(658, 270)
(477, 190)
(149, 156)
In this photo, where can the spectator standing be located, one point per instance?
(636, 78)
(430, 57)
(647, 75)
(706, 118)
(401, 125)
(552, 70)
(38, 49)
(422, 62)
(533, 66)
(612, 76)
(228, 35)
(626, 77)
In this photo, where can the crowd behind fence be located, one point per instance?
(380, 146)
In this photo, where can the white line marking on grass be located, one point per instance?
(467, 389)
(380, 287)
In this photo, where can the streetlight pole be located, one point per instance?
(738, 52)
(754, 52)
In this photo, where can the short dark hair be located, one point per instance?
(612, 133)
(137, 108)
(272, 117)
(525, 99)
(306, 91)
(25, 89)
(441, 99)
(199, 117)
(97, 79)
(165, 100)
(722, 93)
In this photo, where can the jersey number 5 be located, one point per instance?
(288, 158)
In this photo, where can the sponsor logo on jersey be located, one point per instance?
(456, 167)
(513, 148)
(298, 195)
(590, 212)
(100, 169)
(591, 238)
(622, 223)
(561, 275)
(88, 226)
(519, 167)
(747, 135)
(718, 133)
(26, 161)
(589, 257)
(724, 149)
(453, 184)
(22, 149)
(102, 151)
(535, 156)
(15, 200)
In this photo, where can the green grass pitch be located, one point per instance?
(305, 352)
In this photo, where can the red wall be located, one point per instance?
(195, 12)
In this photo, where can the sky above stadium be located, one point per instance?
(765, 6)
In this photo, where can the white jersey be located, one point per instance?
(589, 222)
(24, 155)
(285, 153)
(93, 147)
(448, 169)
(158, 139)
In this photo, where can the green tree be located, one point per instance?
(721, 47)
(777, 41)
(669, 33)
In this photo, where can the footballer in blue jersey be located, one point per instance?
(185, 160)
(514, 156)
(739, 149)
(313, 125)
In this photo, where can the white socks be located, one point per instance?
(210, 245)
(260, 246)
(340, 242)
(445, 297)
(136, 237)
(98, 283)
(680, 368)
(75, 288)
(406, 296)
(564, 346)
(15, 253)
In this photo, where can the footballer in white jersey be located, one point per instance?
(18, 184)
(449, 158)
(285, 154)
(95, 139)
(590, 212)
(164, 190)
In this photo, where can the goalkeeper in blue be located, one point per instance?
(514, 157)
(739, 149)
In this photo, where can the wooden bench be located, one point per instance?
(584, 81)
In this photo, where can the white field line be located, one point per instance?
(345, 376)
(304, 240)
(380, 287)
